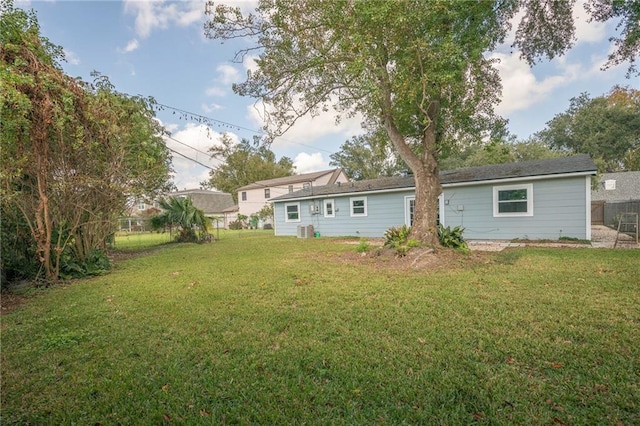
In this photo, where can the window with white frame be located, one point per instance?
(267, 193)
(329, 208)
(141, 205)
(513, 200)
(290, 188)
(358, 206)
(292, 212)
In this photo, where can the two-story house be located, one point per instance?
(253, 197)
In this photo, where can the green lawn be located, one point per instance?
(264, 330)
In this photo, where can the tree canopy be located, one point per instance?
(244, 163)
(606, 127)
(368, 156)
(73, 153)
(417, 69)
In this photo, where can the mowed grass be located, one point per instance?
(266, 330)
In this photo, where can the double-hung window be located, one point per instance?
(358, 206)
(267, 193)
(292, 212)
(513, 200)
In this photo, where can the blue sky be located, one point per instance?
(158, 48)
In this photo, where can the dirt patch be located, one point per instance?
(418, 259)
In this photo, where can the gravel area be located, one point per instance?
(601, 237)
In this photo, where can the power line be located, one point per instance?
(236, 126)
(189, 158)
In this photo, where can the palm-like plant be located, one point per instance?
(180, 212)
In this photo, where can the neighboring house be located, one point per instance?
(230, 215)
(616, 193)
(214, 204)
(253, 197)
(544, 199)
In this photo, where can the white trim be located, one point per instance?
(286, 213)
(518, 179)
(407, 211)
(441, 208)
(497, 189)
(588, 206)
(444, 185)
(333, 207)
(351, 200)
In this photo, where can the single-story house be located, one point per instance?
(544, 199)
(616, 193)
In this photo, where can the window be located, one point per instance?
(244, 196)
(267, 193)
(290, 188)
(306, 185)
(329, 210)
(141, 205)
(513, 200)
(292, 212)
(358, 206)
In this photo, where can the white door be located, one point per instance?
(409, 208)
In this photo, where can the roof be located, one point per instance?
(627, 187)
(288, 180)
(210, 202)
(578, 164)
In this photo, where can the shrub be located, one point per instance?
(363, 246)
(452, 237)
(236, 224)
(394, 237)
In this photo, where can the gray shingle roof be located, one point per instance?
(287, 180)
(627, 187)
(556, 166)
(210, 202)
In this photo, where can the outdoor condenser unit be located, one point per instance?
(305, 231)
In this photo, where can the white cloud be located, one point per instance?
(71, 57)
(131, 46)
(215, 91)
(308, 129)
(521, 88)
(151, 15)
(307, 163)
(587, 32)
(192, 141)
(228, 74)
(211, 107)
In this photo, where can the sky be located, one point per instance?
(158, 49)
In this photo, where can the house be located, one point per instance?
(214, 204)
(253, 197)
(544, 199)
(616, 193)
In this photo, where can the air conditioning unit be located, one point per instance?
(305, 231)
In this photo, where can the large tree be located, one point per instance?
(244, 163)
(606, 127)
(417, 69)
(72, 153)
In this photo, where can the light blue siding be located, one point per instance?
(559, 210)
(384, 210)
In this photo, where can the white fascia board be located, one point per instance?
(518, 179)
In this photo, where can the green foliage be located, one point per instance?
(180, 212)
(18, 251)
(452, 238)
(398, 239)
(244, 163)
(95, 263)
(363, 246)
(236, 225)
(368, 156)
(396, 236)
(72, 152)
(606, 127)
